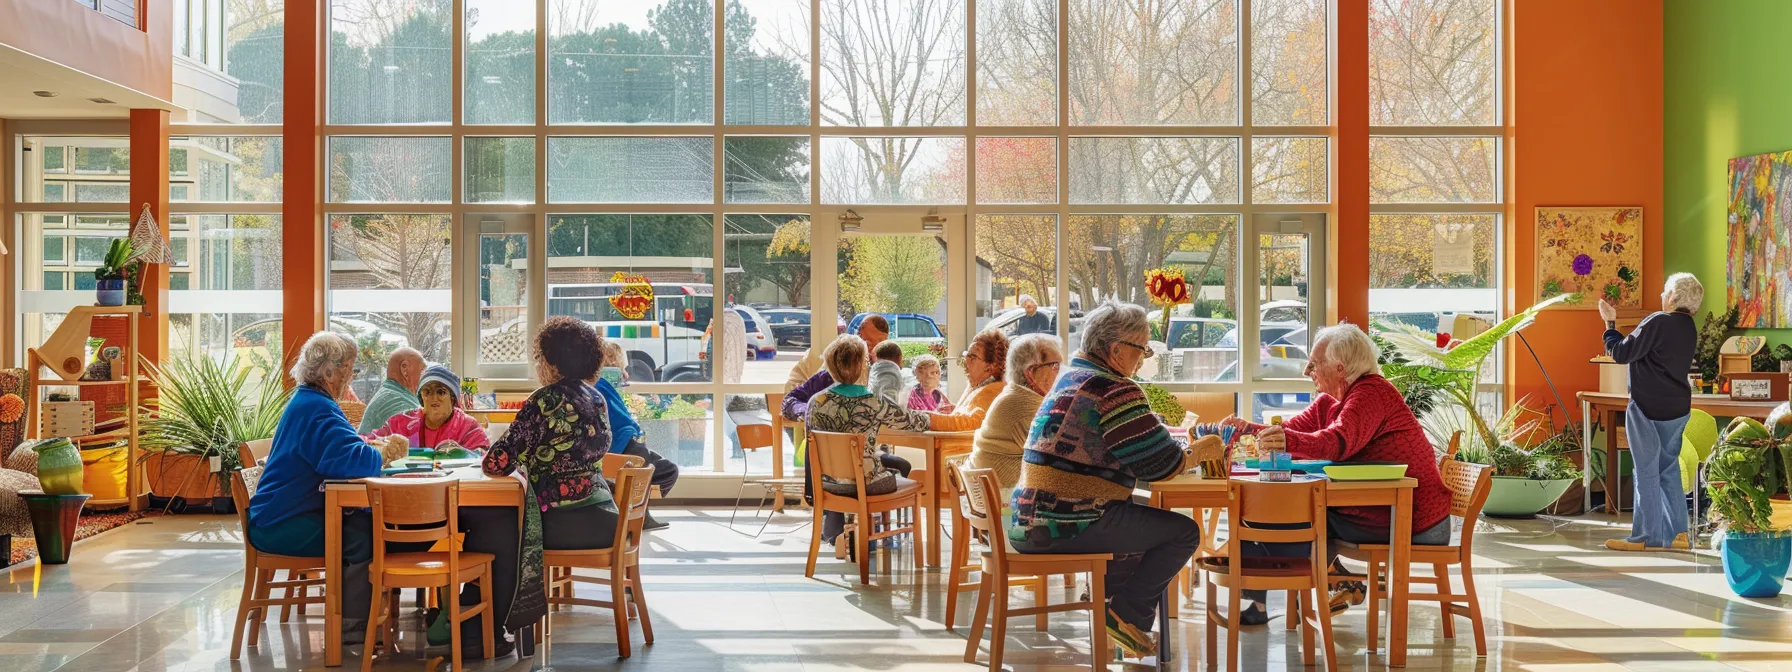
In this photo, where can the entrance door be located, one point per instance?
(1285, 266)
(496, 291)
(905, 264)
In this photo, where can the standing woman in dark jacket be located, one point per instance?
(1659, 354)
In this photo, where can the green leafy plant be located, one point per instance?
(1712, 334)
(113, 267)
(208, 407)
(1742, 478)
(1545, 460)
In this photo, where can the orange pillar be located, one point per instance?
(1349, 262)
(302, 222)
(149, 187)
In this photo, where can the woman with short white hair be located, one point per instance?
(1033, 363)
(1658, 353)
(1357, 416)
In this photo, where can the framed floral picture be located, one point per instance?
(1592, 253)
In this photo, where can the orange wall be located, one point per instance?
(67, 33)
(1586, 125)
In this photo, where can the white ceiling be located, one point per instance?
(21, 74)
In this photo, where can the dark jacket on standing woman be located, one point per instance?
(1659, 354)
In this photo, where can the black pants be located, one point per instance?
(585, 527)
(834, 522)
(1337, 528)
(665, 473)
(1165, 541)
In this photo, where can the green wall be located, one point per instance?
(1728, 93)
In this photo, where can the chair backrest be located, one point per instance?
(413, 509)
(242, 488)
(754, 437)
(614, 463)
(1259, 503)
(354, 410)
(1455, 445)
(984, 510)
(1469, 484)
(631, 508)
(839, 456)
(255, 452)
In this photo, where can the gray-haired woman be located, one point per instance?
(313, 443)
(1658, 354)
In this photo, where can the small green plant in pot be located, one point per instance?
(110, 278)
(1747, 467)
(206, 408)
(1526, 480)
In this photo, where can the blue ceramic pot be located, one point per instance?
(1755, 563)
(110, 292)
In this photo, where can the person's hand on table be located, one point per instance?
(394, 448)
(1607, 312)
(1269, 433)
(1237, 424)
(947, 407)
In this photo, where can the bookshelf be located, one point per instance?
(61, 361)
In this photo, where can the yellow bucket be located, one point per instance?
(104, 472)
(1782, 515)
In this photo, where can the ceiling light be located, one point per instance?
(850, 221)
(45, 94)
(933, 223)
(101, 101)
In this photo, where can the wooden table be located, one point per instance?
(937, 445)
(476, 489)
(1610, 408)
(1190, 491)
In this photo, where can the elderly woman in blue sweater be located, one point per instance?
(314, 442)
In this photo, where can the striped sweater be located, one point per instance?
(1092, 441)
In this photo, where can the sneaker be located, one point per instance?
(1253, 615)
(1135, 642)
(354, 631)
(1681, 543)
(1348, 594)
(1627, 546)
(650, 524)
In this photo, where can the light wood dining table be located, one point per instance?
(476, 489)
(1191, 491)
(937, 446)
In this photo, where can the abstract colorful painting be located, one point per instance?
(1759, 262)
(1592, 253)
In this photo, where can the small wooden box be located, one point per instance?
(1737, 355)
(66, 418)
(1758, 386)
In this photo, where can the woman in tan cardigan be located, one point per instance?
(1032, 364)
(985, 367)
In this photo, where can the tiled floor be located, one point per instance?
(161, 595)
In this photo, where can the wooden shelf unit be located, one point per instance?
(70, 340)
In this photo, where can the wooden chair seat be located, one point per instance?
(434, 565)
(622, 560)
(1282, 513)
(423, 510)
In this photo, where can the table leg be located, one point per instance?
(935, 466)
(1399, 569)
(777, 457)
(1586, 463)
(1165, 654)
(333, 580)
(1609, 419)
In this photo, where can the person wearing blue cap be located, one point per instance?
(440, 418)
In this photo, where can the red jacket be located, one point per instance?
(1372, 424)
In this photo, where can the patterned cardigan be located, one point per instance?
(559, 440)
(1093, 440)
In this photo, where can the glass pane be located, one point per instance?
(1153, 62)
(750, 409)
(255, 53)
(500, 170)
(667, 263)
(860, 171)
(631, 170)
(391, 61)
(500, 44)
(1426, 270)
(230, 303)
(1017, 170)
(389, 169)
(630, 63)
(227, 169)
(676, 426)
(1282, 299)
(74, 169)
(904, 279)
(765, 170)
(1017, 63)
(892, 62)
(767, 47)
(1179, 171)
(382, 262)
(1289, 170)
(1017, 261)
(503, 298)
(1433, 170)
(1107, 256)
(767, 260)
(1433, 62)
(1288, 62)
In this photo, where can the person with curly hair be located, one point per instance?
(985, 366)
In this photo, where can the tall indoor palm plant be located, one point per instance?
(208, 407)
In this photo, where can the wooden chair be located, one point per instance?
(1469, 484)
(259, 572)
(614, 463)
(1001, 564)
(962, 566)
(354, 410)
(423, 510)
(841, 457)
(1254, 502)
(622, 559)
(256, 452)
(761, 437)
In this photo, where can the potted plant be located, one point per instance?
(110, 277)
(671, 425)
(205, 409)
(1743, 475)
(1526, 478)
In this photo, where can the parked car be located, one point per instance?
(759, 335)
(1008, 319)
(904, 327)
(790, 327)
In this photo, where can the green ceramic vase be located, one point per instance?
(59, 468)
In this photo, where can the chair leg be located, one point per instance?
(1474, 606)
(1098, 627)
(1374, 635)
(487, 636)
(1325, 636)
(981, 614)
(262, 578)
(453, 609)
(814, 540)
(619, 602)
(955, 576)
(371, 643)
(1296, 611)
(289, 593)
(1306, 631)
(1213, 624)
(250, 579)
(1041, 621)
(861, 546)
(998, 627)
(640, 601)
(1443, 588)
(915, 533)
(1235, 606)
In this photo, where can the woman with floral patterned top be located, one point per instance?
(560, 437)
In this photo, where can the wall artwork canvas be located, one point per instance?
(1592, 253)
(1759, 262)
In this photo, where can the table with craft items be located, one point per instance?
(1608, 409)
(937, 446)
(476, 489)
(1190, 491)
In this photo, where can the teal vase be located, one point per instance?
(59, 468)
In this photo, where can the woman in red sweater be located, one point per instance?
(1358, 416)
